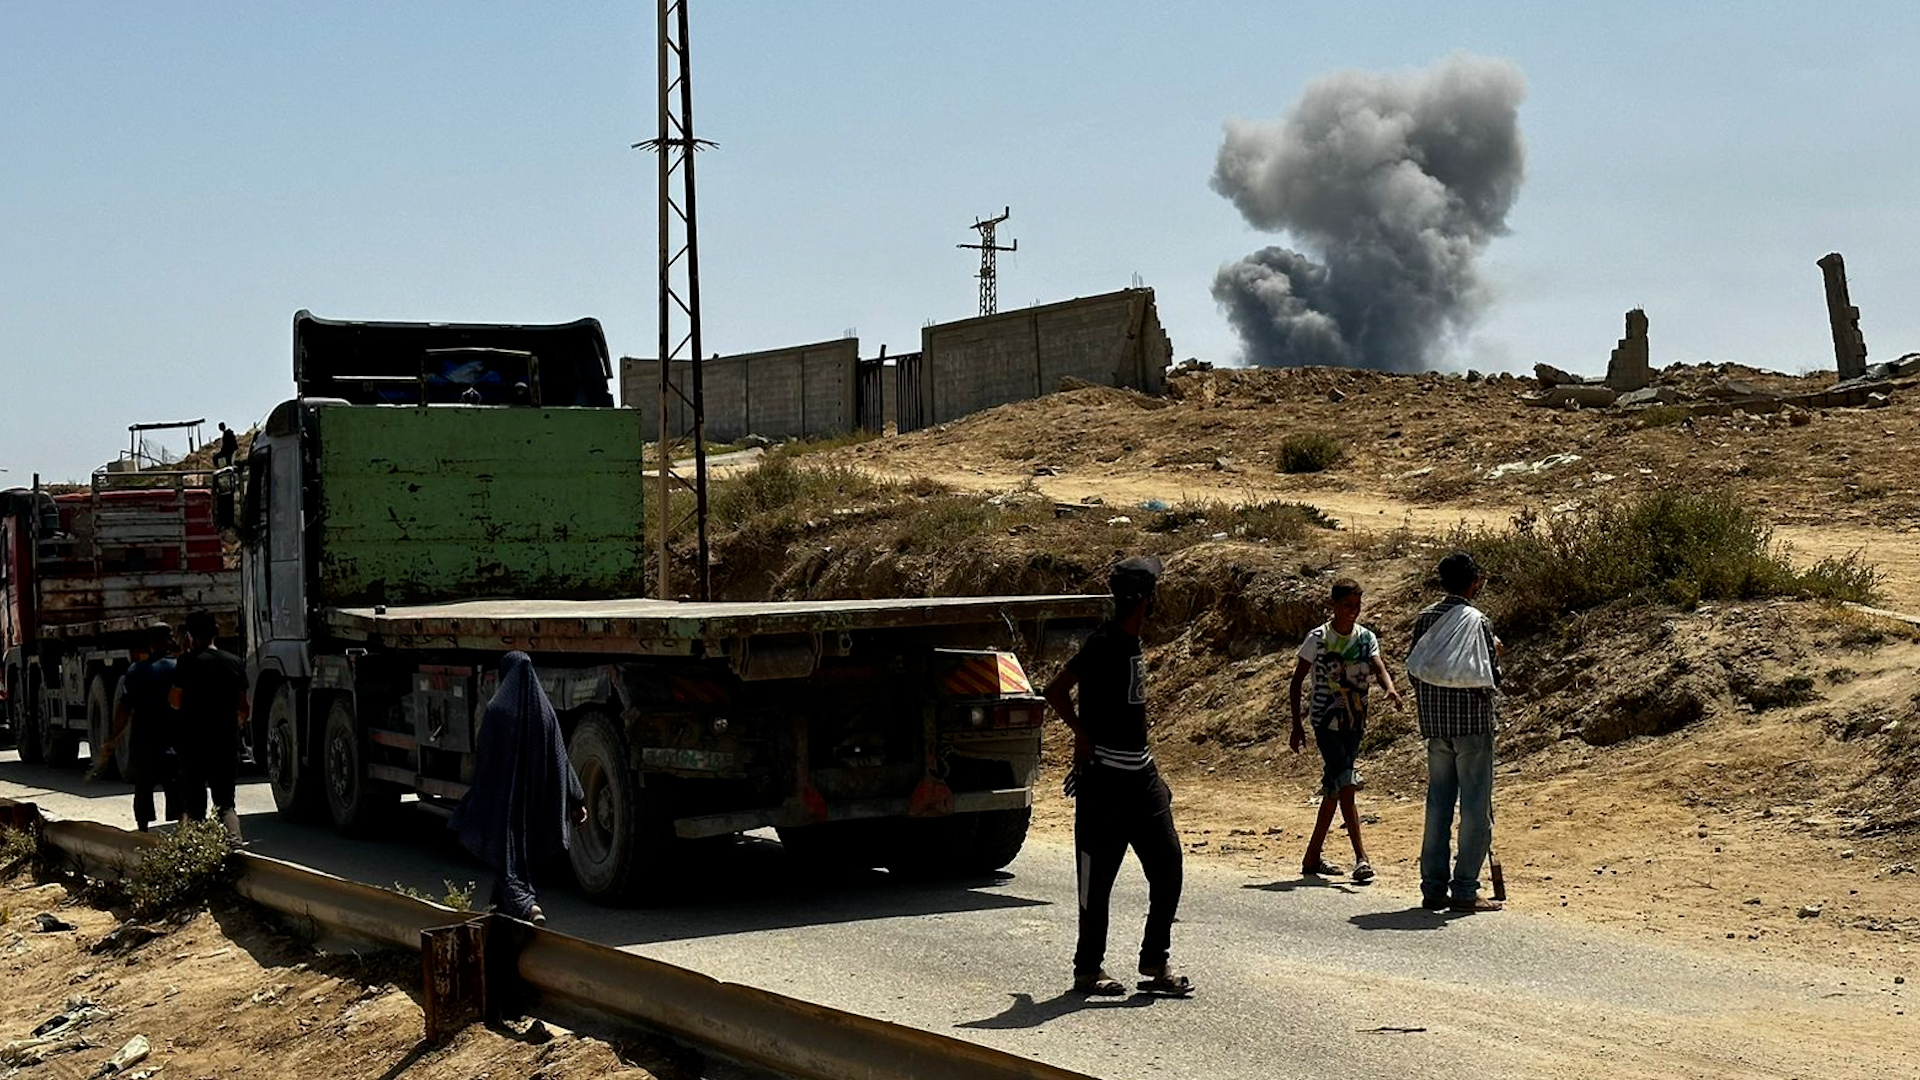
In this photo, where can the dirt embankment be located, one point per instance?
(1743, 772)
(227, 993)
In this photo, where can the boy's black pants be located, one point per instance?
(1117, 810)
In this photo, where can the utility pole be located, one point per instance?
(676, 146)
(989, 298)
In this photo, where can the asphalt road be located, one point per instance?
(1295, 978)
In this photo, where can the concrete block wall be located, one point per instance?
(806, 391)
(1114, 339)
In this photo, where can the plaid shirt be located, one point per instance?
(1444, 710)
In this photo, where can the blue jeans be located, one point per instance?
(1459, 772)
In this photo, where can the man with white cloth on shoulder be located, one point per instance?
(1454, 665)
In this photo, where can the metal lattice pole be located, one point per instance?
(989, 285)
(675, 147)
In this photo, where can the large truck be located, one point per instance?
(83, 574)
(400, 538)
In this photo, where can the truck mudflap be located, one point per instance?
(796, 813)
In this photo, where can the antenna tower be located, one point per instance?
(682, 408)
(989, 294)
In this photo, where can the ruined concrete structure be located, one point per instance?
(1629, 368)
(809, 391)
(1849, 347)
(1114, 339)
(805, 391)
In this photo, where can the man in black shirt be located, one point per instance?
(210, 690)
(1122, 802)
(229, 446)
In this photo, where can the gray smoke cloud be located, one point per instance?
(1396, 183)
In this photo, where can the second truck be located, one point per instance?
(437, 495)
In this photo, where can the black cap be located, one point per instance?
(1458, 570)
(159, 631)
(1135, 577)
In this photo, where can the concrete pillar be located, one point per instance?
(1849, 347)
(1630, 367)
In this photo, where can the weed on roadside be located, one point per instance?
(185, 869)
(778, 483)
(17, 849)
(1308, 452)
(457, 897)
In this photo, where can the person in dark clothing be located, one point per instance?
(210, 692)
(148, 746)
(1121, 800)
(229, 447)
(515, 815)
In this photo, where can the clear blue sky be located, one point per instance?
(177, 178)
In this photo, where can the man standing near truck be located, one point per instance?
(210, 690)
(149, 745)
(1122, 801)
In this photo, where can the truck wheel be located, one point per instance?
(358, 804)
(618, 839)
(58, 745)
(997, 837)
(294, 778)
(26, 720)
(100, 726)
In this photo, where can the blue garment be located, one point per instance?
(1459, 770)
(514, 816)
(151, 734)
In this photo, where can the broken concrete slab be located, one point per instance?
(1586, 396)
(1649, 395)
(1551, 377)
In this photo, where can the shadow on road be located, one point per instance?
(65, 779)
(1413, 918)
(736, 886)
(1025, 1012)
(1305, 883)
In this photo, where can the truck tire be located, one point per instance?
(58, 746)
(619, 841)
(293, 776)
(998, 836)
(100, 728)
(26, 720)
(357, 803)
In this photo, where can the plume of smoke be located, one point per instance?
(1397, 183)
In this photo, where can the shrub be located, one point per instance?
(17, 847)
(186, 868)
(1279, 521)
(1668, 546)
(777, 483)
(1314, 451)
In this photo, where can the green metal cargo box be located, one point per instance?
(444, 503)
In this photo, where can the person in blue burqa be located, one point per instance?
(515, 815)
